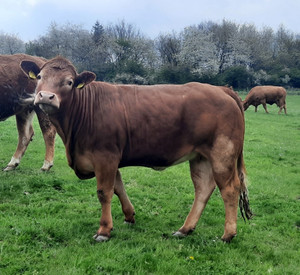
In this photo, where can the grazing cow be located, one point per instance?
(266, 95)
(105, 127)
(16, 98)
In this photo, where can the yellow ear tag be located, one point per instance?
(80, 85)
(32, 75)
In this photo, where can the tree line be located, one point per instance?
(225, 53)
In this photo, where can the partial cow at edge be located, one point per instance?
(266, 95)
(105, 127)
(17, 92)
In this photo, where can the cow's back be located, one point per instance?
(14, 84)
(274, 92)
(268, 92)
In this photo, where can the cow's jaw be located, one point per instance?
(47, 101)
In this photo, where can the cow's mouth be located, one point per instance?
(47, 108)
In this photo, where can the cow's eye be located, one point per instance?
(38, 76)
(70, 82)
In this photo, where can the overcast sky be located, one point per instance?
(30, 19)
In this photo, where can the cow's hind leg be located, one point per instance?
(284, 107)
(230, 190)
(202, 176)
(25, 131)
(224, 165)
(281, 105)
(127, 207)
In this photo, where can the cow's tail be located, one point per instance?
(244, 199)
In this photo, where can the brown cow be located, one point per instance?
(105, 127)
(266, 95)
(16, 98)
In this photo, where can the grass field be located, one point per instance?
(47, 219)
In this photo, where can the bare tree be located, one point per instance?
(169, 47)
(131, 54)
(71, 41)
(11, 44)
(121, 37)
(123, 31)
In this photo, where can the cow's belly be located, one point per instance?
(180, 160)
(271, 102)
(84, 167)
(156, 162)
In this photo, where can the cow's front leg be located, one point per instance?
(49, 133)
(106, 223)
(105, 191)
(265, 107)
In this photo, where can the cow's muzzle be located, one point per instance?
(47, 101)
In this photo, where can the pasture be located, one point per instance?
(47, 219)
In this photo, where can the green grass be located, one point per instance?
(47, 219)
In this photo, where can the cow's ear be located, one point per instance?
(30, 69)
(83, 79)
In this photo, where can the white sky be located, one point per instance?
(30, 19)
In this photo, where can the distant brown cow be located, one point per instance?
(105, 127)
(16, 98)
(266, 95)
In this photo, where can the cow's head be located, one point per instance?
(56, 80)
(246, 105)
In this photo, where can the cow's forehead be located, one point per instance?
(60, 65)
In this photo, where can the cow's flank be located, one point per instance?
(17, 93)
(105, 127)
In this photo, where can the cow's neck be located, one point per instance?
(71, 119)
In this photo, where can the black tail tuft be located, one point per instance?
(245, 206)
(244, 199)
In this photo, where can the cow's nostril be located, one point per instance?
(51, 97)
(40, 95)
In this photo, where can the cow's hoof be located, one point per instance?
(129, 222)
(9, 168)
(46, 166)
(100, 238)
(45, 169)
(227, 239)
(179, 234)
